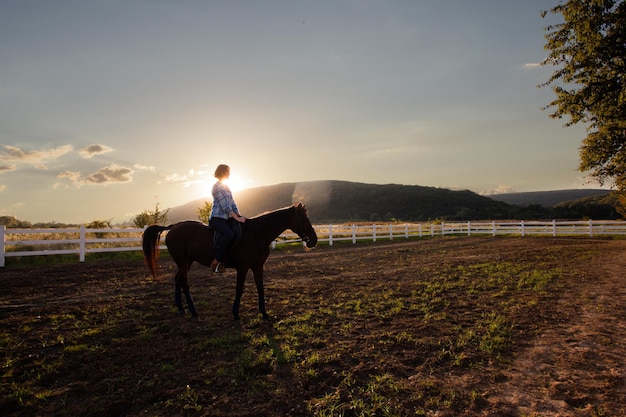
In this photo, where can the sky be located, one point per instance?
(108, 108)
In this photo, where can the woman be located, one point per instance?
(223, 216)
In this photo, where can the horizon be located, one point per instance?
(235, 194)
(105, 113)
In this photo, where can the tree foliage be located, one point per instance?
(12, 222)
(147, 217)
(588, 49)
(99, 224)
(204, 212)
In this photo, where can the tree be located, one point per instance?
(204, 212)
(10, 221)
(99, 224)
(148, 217)
(589, 49)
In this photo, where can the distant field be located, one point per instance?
(447, 327)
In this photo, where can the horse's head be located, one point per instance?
(302, 226)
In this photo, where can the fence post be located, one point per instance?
(353, 234)
(406, 230)
(330, 235)
(3, 230)
(523, 230)
(590, 228)
(493, 228)
(469, 228)
(553, 227)
(432, 229)
(374, 233)
(390, 231)
(81, 256)
(443, 229)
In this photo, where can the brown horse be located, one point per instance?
(191, 241)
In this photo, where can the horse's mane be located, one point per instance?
(268, 216)
(270, 213)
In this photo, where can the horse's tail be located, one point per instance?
(150, 244)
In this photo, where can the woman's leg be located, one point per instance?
(223, 238)
(236, 229)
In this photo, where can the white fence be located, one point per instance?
(81, 241)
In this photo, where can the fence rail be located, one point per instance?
(81, 241)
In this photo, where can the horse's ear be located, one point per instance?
(300, 205)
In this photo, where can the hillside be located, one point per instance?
(341, 201)
(599, 206)
(350, 201)
(547, 198)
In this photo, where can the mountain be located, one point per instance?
(547, 198)
(339, 201)
(343, 201)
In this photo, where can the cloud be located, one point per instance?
(95, 149)
(500, 189)
(112, 174)
(36, 158)
(176, 178)
(73, 177)
(186, 180)
(6, 168)
(532, 64)
(144, 167)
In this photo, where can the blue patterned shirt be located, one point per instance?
(223, 202)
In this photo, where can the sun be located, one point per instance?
(236, 183)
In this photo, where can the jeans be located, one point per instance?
(226, 232)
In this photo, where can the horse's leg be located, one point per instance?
(258, 280)
(178, 299)
(182, 284)
(190, 304)
(241, 279)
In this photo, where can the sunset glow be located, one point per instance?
(236, 183)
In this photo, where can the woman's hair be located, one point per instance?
(221, 171)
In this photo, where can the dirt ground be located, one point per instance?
(437, 327)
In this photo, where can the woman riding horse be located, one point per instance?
(223, 214)
(192, 241)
